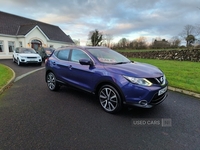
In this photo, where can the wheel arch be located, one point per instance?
(47, 71)
(99, 85)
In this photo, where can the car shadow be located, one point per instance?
(158, 111)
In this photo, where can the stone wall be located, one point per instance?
(181, 55)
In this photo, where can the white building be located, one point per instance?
(16, 31)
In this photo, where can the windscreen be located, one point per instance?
(107, 55)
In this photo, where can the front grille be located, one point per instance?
(32, 57)
(159, 80)
(157, 99)
(153, 80)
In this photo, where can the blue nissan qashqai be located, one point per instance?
(111, 76)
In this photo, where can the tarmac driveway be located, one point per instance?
(33, 117)
(19, 70)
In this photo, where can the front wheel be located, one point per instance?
(110, 99)
(13, 59)
(51, 82)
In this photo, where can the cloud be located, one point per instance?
(127, 18)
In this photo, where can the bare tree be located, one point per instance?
(108, 38)
(123, 43)
(142, 42)
(189, 33)
(175, 42)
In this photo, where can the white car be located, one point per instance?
(23, 55)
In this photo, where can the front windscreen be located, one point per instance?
(107, 55)
(27, 50)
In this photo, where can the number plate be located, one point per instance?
(162, 91)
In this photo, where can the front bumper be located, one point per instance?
(27, 61)
(145, 104)
(145, 97)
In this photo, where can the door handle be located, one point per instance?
(70, 67)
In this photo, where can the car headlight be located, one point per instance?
(140, 81)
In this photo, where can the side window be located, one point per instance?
(1, 46)
(11, 46)
(77, 55)
(63, 54)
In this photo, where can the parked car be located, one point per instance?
(111, 76)
(48, 51)
(23, 55)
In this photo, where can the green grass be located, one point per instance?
(5, 75)
(180, 74)
(147, 50)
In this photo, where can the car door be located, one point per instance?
(81, 76)
(61, 65)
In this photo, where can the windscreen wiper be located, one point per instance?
(123, 62)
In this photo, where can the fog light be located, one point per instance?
(143, 102)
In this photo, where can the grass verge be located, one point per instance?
(5, 75)
(147, 50)
(180, 74)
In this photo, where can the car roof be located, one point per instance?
(81, 47)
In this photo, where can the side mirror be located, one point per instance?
(85, 62)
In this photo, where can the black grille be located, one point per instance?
(153, 80)
(157, 99)
(159, 80)
(32, 57)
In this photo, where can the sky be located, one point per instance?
(128, 19)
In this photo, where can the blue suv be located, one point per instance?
(106, 73)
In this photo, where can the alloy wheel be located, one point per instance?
(109, 99)
(51, 82)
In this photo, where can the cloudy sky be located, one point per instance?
(129, 19)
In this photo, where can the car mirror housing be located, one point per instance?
(85, 62)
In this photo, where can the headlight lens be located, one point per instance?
(140, 81)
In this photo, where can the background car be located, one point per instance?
(23, 55)
(111, 76)
(48, 51)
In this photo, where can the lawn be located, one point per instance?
(147, 50)
(180, 74)
(5, 75)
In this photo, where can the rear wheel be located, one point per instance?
(110, 99)
(52, 84)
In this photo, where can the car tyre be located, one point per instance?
(110, 99)
(18, 62)
(52, 84)
(13, 59)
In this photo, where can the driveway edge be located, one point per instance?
(9, 82)
(26, 74)
(197, 95)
